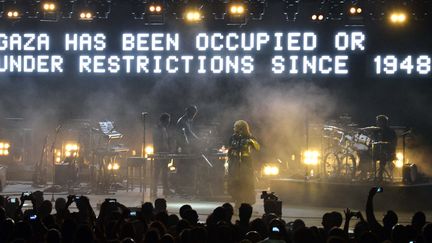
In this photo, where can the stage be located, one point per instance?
(316, 192)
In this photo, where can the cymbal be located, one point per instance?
(379, 142)
(372, 128)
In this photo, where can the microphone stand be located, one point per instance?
(143, 118)
(53, 158)
(404, 144)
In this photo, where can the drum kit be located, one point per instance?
(351, 153)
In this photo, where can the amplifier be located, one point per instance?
(409, 173)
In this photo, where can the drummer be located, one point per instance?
(386, 136)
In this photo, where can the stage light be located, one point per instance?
(154, 13)
(237, 14)
(398, 17)
(4, 148)
(113, 166)
(355, 10)
(49, 7)
(116, 166)
(399, 160)
(49, 11)
(13, 14)
(311, 157)
(86, 15)
(317, 17)
(270, 170)
(193, 16)
(237, 9)
(155, 9)
(149, 150)
(71, 149)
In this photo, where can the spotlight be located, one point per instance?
(86, 15)
(71, 149)
(49, 7)
(270, 170)
(193, 16)
(355, 10)
(49, 11)
(237, 14)
(4, 148)
(398, 18)
(399, 160)
(149, 150)
(13, 14)
(317, 17)
(113, 166)
(155, 13)
(155, 9)
(237, 9)
(311, 157)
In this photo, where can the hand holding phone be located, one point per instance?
(275, 229)
(111, 200)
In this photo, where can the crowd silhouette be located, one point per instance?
(153, 224)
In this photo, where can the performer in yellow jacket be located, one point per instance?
(241, 178)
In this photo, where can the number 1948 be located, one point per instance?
(390, 65)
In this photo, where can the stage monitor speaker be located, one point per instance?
(409, 173)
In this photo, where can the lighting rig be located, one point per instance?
(230, 12)
(237, 13)
(12, 11)
(49, 10)
(153, 12)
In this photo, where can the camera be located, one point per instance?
(33, 217)
(76, 198)
(133, 214)
(271, 203)
(268, 196)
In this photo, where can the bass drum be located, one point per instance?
(340, 165)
